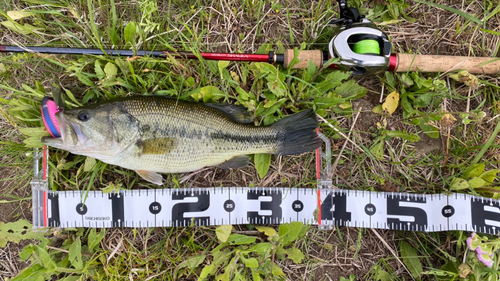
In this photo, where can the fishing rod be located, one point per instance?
(358, 45)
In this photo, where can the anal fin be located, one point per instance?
(236, 162)
(152, 177)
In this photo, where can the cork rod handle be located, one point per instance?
(426, 63)
(304, 57)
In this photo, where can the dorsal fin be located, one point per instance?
(236, 113)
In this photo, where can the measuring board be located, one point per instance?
(324, 206)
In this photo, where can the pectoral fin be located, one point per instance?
(150, 176)
(158, 146)
(236, 162)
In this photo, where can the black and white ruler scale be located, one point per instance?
(323, 206)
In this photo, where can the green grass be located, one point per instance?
(382, 157)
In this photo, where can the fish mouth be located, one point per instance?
(54, 142)
(71, 134)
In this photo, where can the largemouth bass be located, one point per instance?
(154, 134)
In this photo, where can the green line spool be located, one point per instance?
(367, 47)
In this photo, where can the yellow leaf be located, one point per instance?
(16, 15)
(268, 231)
(223, 232)
(391, 102)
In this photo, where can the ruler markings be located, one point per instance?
(213, 206)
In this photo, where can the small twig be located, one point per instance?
(467, 109)
(382, 93)
(339, 132)
(66, 251)
(156, 275)
(334, 166)
(115, 250)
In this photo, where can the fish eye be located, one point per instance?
(83, 115)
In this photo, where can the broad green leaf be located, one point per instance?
(33, 273)
(262, 163)
(295, 255)
(240, 239)
(459, 184)
(94, 239)
(75, 254)
(89, 164)
(84, 79)
(378, 150)
(17, 15)
(391, 103)
(377, 109)
(130, 32)
(206, 271)
(222, 65)
(261, 248)
(428, 129)
(489, 176)
(110, 70)
(3, 69)
(268, 231)
(410, 259)
(26, 253)
(220, 258)
(277, 271)
(72, 97)
(243, 95)
(390, 80)
(45, 258)
(21, 29)
(190, 263)
(406, 80)
(403, 135)
(206, 94)
(33, 142)
(98, 70)
(381, 275)
(476, 171)
(351, 90)
(289, 232)
(256, 276)
(223, 232)
(332, 80)
(16, 231)
(476, 182)
(250, 263)
(311, 70)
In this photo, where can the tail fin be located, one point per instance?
(297, 133)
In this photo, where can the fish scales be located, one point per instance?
(203, 136)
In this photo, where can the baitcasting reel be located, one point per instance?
(361, 47)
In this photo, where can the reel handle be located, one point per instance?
(429, 63)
